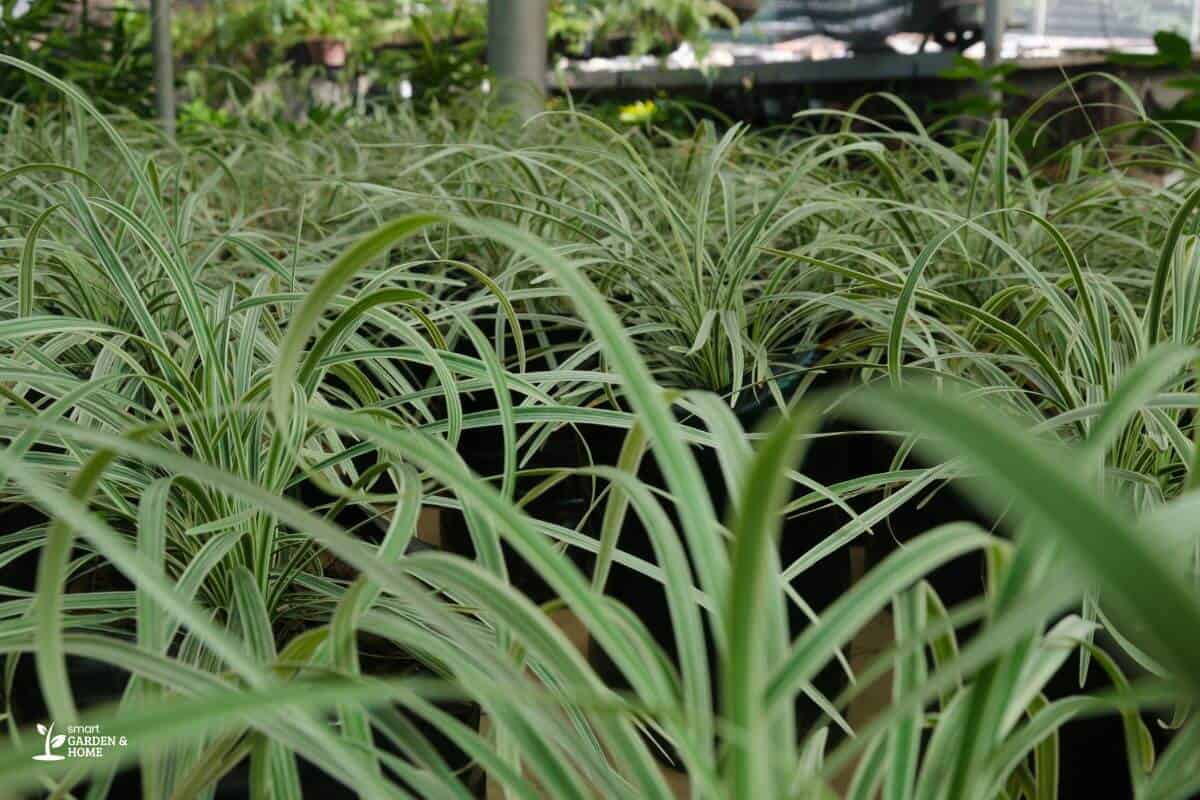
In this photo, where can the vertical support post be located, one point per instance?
(1195, 21)
(1039, 16)
(993, 44)
(517, 52)
(993, 31)
(164, 63)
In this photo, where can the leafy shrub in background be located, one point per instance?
(235, 370)
(108, 54)
(1172, 51)
(234, 47)
(643, 26)
(436, 72)
(991, 87)
(394, 38)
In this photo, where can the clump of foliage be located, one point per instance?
(1174, 52)
(990, 87)
(107, 54)
(235, 370)
(647, 25)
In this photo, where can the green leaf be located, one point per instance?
(1174, 49)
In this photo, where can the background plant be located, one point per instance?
(108, 54)
(1174, 52)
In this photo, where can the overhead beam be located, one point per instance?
(516, 52)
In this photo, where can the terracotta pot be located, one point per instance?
(328, 52)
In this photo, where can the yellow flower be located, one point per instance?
(641, 111)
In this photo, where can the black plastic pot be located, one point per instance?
(316, 783)
(21, 572)
(819, 586)
(1092, 750)
(93, 683)
(482, 448)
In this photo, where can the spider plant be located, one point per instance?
(554, 726)
(199, 391)
(1044, 295)
(125, 317)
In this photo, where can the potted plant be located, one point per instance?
(634, 26)
(326, 33)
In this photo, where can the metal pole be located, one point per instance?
(1039, 17)
(164, 63)
(993, 31)
(517, 52)
(1195, 20)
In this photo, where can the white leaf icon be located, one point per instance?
(41, 729)
(57, 741)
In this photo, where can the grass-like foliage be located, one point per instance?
(235, 370)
